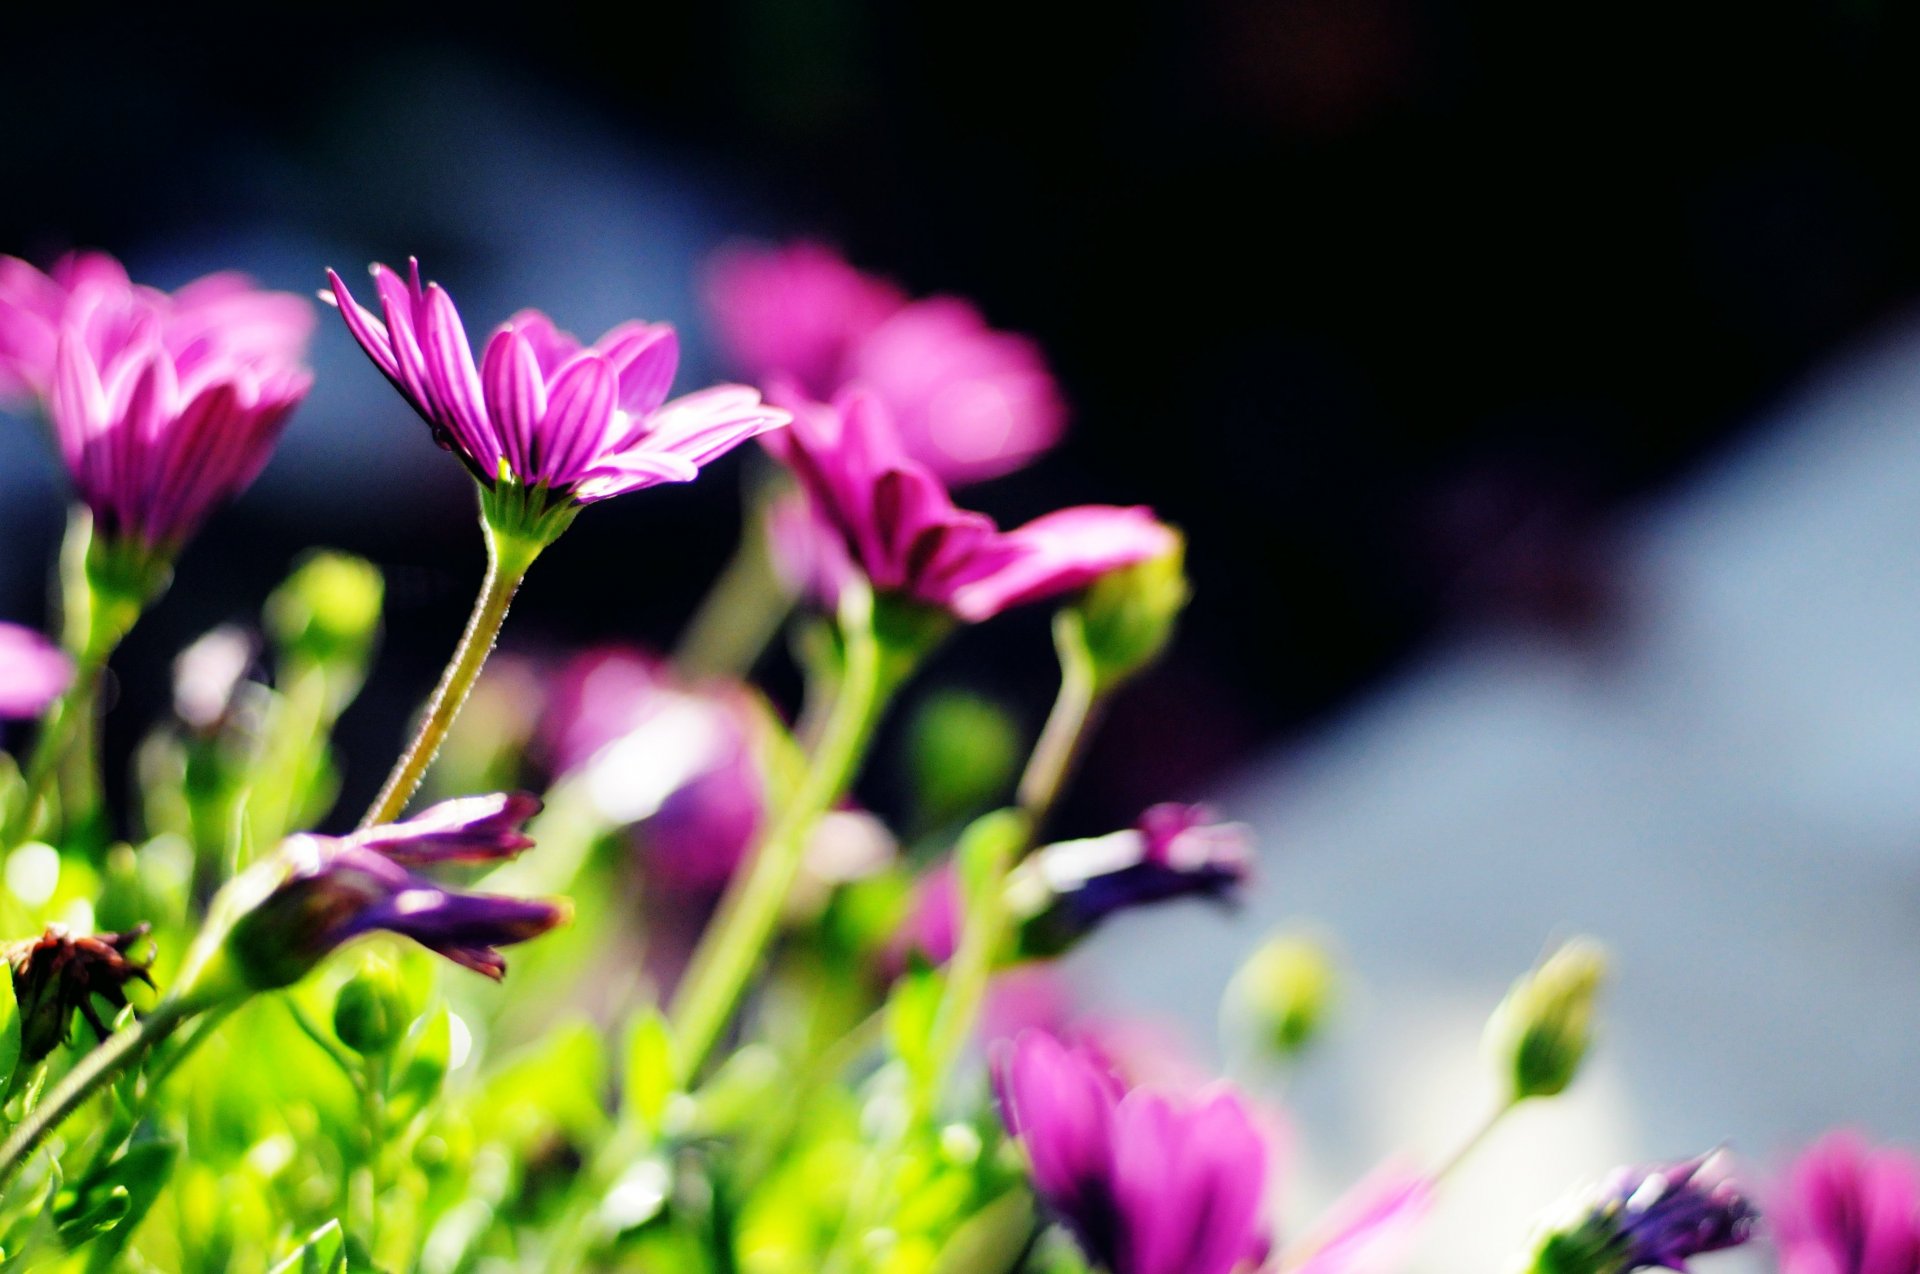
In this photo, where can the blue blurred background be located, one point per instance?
(1536, 384)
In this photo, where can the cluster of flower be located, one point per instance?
(802, 966)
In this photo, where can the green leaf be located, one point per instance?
(323, 1252)
(418, 1078)
(911, 1009)
(992, 1240)
(139, 1175)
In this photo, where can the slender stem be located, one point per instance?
(57, 734)
(984, 921)
(95, 1071)
(364, 1182)
(1453, 1161)
(508, 559)
(730, 949)
(741, 612)
(1067, 728)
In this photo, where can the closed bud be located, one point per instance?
(1282, 994)
(1542, 1029)
(372, 1011)
(1127, 617)
(328, 609)
(1654, 1217)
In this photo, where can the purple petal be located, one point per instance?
(33, 672)
(1060, 553)
(644, 356)
(516, 394)
(580, 406)
(469, 829)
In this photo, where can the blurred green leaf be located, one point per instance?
(323, 1252)
(648, 1083)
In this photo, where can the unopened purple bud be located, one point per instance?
(1656, 1217)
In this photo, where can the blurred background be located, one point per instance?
(1538, 387)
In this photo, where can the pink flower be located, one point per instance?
(1848, 1208)
(1149, 1182)
(158, 419)
(33, 672)
(584, 423)
(1369, 1230)
(222, 310)
(970, 402)
(897, 524)
(680, 762)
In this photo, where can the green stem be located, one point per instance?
(95, 1071)
(741, 612)
(984, 921)
(508, 560)
(57, 734)
(730, 949)
(1472, 1143)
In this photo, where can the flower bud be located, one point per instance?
(1283, 992)
(328, 609)
(1127, 617)
(1542, 1029)
(1656, 1217)
(371, 1011)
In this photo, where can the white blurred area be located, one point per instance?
(1728, 795)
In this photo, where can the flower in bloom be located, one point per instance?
(33, 672)
(163, 405)
(1068, 888)
(679, 761)
(542, 410)
(56, 974)
(896, 524)
(1849, 1208)
(1148, 1182)
(224, 310)
(970, 402)
(1657, 1217)
(321, 891)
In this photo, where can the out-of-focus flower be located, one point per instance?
(680, 761)
(571, 423)
(1848, 1208)
(1148, 1182)
(56, 974)
(224, 311)
(970, 402)
(1656, 1217)
(897, 524)
(1066, 889)
(33, 672)
(318, 892)
(1368, 1230)
(163, 404)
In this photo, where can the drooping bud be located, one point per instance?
(1127, 617)
(1648, 1218)
(1541, 1031)
(1282, 994)
(55, 974)
(371, 1011)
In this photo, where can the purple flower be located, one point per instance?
(897, 525)
(541, 410)
(678, 760)
(33, 672)
(1067, 888)
(327, 890)
(1657, 1217)
(221, 310)
(1849, 1208)
(1149, 1183)
(970, 402)
(163, 405)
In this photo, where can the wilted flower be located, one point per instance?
(897, 525)
(678, 760)
(1849, 1208)
(1149, 1183)
(1650, 1217)
(318, 892)
(1066, 889)
(56, 974)
(571, 424)
(33, 672)
(970, 402)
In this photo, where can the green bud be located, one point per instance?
(965, 749)
(371, 1012)
(1283, 992)
(1542, 1029)
(328, 609)
(1127, 617)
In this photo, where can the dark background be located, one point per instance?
(1387, 302)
